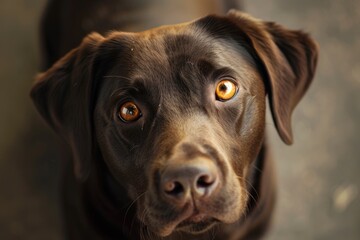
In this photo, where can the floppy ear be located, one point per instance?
(64, 97)
(289, 59)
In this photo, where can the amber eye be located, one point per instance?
(225, 90)
(129, 112)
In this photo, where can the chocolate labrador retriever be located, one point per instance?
(166, 127)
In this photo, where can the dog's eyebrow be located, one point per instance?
(118, 76)
(131, 87)
(127, 85)
(209, 70)
(224, 72)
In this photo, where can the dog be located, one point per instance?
(166, 127)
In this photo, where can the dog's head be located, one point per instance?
(178, 112)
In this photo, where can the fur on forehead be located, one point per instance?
(156, 53)
(177, 60)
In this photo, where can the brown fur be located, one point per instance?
(170, 73)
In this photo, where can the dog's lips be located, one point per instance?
(167, 228)
(191, 220)
(196, 217)
(197, 223)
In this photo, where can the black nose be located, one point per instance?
(197, 179)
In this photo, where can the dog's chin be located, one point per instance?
(189, 226)
(186, 226)
(192, 221)
(189, 223)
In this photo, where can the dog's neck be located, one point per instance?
(113, 213)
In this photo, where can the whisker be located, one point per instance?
(144, 230)
(251, 186)
(133, 147)
(258, 169)
(213, 232)
(132, 203)
(132, 223)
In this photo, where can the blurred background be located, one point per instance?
(319, 176)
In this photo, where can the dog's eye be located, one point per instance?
(225, 90)
(129, 112)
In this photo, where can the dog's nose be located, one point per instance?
(197, 179)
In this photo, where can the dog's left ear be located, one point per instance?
(289, 60)
(64, 97)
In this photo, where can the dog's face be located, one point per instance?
(184, 113)
(178, 112)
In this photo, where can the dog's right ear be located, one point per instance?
(64, 97)
(288, 59)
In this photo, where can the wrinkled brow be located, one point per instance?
(126, 87)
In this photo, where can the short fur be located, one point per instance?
(171, 72)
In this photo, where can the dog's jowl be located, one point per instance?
(166, 127)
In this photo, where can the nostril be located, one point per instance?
(173, 188)
(206, 184)
(205, 181)
(194, 179)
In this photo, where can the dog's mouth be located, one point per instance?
(194, 223)
(192, 219)
(195, 217)
(197, 223)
